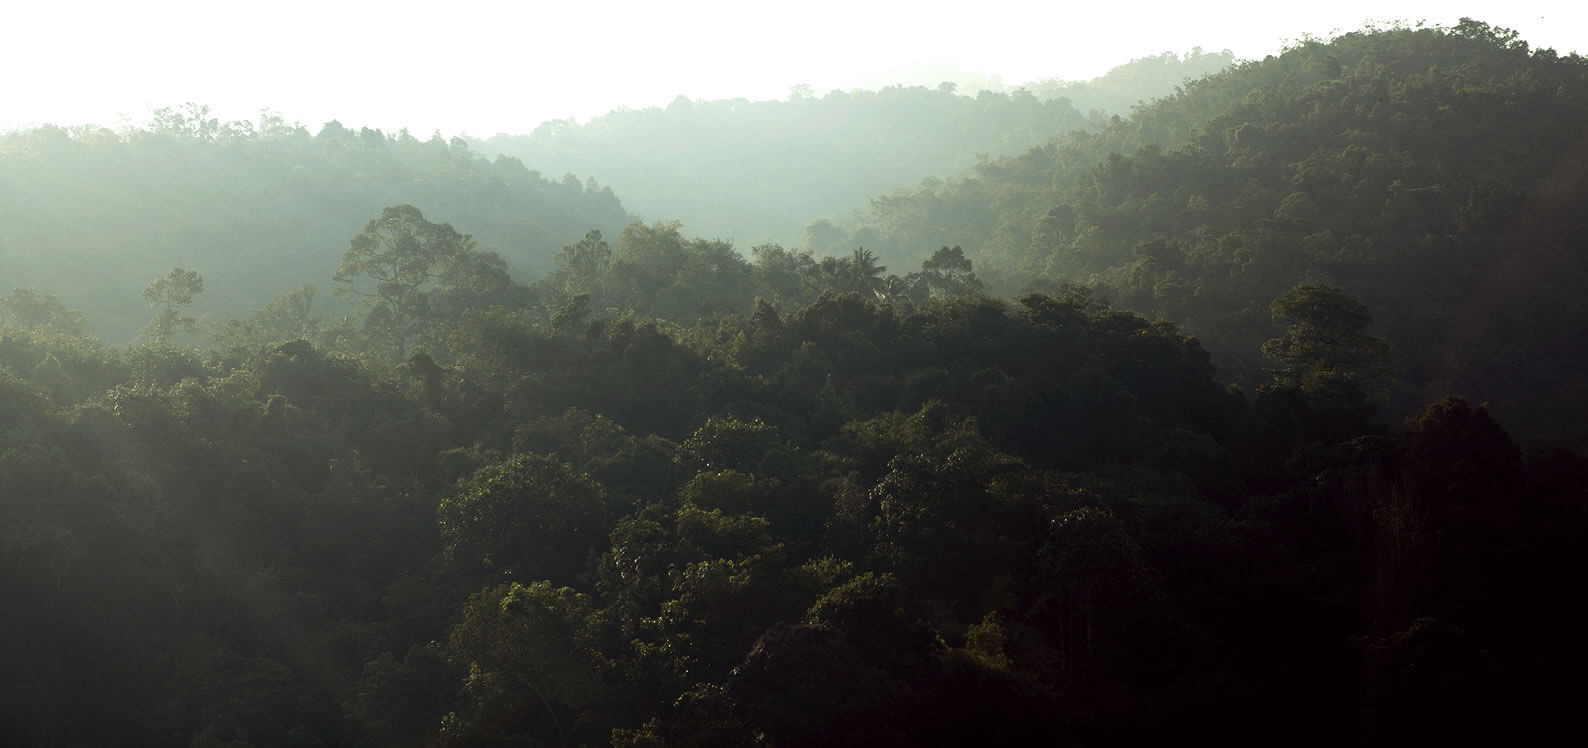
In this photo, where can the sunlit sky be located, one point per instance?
(476, 67)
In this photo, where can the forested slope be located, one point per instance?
(672, 494)
(1434, 173)
(503, 516)
(1135, 83)
(760, 171)
(94, 216)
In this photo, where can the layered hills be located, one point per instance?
(1433, 173)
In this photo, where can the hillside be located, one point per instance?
(832, 524)
(760, 171)
(1135, 83)
(93, 216)
(654, 490)
(1430, 172)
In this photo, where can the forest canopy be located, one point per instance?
(258, 208)
(1429, 172)
(773, 171)
(1171, 428)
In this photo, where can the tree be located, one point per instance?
(804, 685)
(584, 265)
(286, 317)
(792, 275)
(948, 272)
(30, 307)
(1326, 343)
(474, 280)
(1095, 582)
(532, 517)
(822, 234)
(871, 612)
(171, 294)
(1331, 374)
(533, 666)
(859, 273)
(189, 120)
(398, 257)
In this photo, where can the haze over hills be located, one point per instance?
(760, 171)
(256, 208)
(489, 67)
(1165, 428)
(1394, 164)
(259, 207)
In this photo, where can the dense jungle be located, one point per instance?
(1235, 400)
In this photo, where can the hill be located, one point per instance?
(1136, 83)
(761, 171)
(669, 495)
(93, 215)
(1429, 172)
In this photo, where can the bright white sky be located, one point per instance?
(483, 67)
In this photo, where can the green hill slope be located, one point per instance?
(760, 171)
(1430, 172)
(94, 216)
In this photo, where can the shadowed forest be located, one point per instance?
(1237, 400)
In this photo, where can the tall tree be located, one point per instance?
(171, 294)
(948, 272)
(858, 273)
(392, 266)
(584, 265)
(533, 664)
(1326, 342)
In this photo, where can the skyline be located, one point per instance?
(483, 68)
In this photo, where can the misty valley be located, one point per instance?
(1242, 400)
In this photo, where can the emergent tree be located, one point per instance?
(392, 266)
(172, 293)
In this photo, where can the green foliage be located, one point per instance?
(531, 517)
(731, 444)
(286, 318)
(702, 716)
(533, 667)
(1394, 163)
(631, 469)
(70, 367)
(392, 266)
(655, 271)
(858, 274)
(1326, 338)
(171, 294)
(1094, 583)
(948, 273)
(873, 612)
(32, 308)
(924, 546)
(1137, 83)
(805, 685)
(583, 265)
(906, 514)
(255, 206)
(401, 701)
(760, 171)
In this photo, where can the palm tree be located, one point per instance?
(862, 274)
